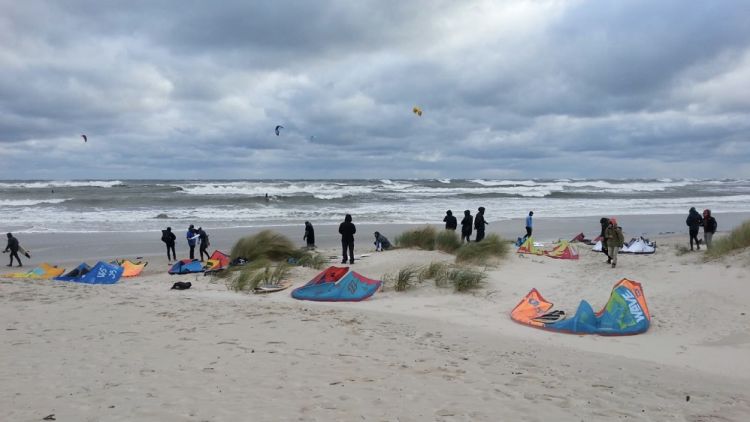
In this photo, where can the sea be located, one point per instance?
(49, 206)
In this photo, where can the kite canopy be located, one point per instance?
(563, 250)
(101, 273)
(638, 246)
(277, 129)
(416, 110)
(625, 313)
(528, 247)
(186, 266)
(44, 270)
(217, 262)
(353, 287)
(582, 239)
(132, 269)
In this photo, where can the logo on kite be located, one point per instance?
(277, 129)
(85, 139)
(416, 110)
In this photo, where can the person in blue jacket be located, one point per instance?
(192, 238)
(529, 223)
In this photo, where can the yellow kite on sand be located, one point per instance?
(44, 270)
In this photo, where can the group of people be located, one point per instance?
(194, 237)
(612, 239)
(347, 229)
(695, 221)
(477, 222)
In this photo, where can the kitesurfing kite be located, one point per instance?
(418, 111)
(277, 129)
(85, 139)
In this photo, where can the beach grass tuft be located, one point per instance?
(447, 241)
(266, 244)
(681, 250)
(464, 279)
(489, 248)
(431, 271)
(251, 276)
(405, 278)
(421, 238)
(737, 239)
(312, 260)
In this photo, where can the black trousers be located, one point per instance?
(528, 231)
(192, 251)
(694, 235)
(480, 235)
(170, 248)
(465, 235)
(347, 245)
(12, 254)
(204, 249)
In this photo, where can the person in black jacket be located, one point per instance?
(309, 235)
(604, 221)
(479, 224)
(450, 221)
(694, 221)
(709, 228)
(347, 230)
(13, 248)
(169, 239)
(203, 237)
(466, 225)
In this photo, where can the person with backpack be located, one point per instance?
(694, 222)
(169, 239)
(615, 240)
(466, 224)
(450, 221)
(204, 243)
(709, 228)
(347, 230)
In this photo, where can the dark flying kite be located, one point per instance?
(85, 139)
(277, 129)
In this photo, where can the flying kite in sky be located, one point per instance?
(85, 138)
(277, 129)
(418, 111)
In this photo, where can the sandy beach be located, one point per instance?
(138, 351)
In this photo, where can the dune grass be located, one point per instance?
(491, 247)
(738, 238)
(249, 276)
(266, 244)
(421, 238)
(447, 241)
(403, 280)
(464, 279)
(431, 271)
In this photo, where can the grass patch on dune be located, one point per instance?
(464, 279)
(422, 238)
(461, 278)
(247, 277)
(738, 238)
(491, 247)
(404, 280)
(266, 244)
(447, 241)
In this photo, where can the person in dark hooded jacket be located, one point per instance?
(709, 228)
(309, 235)
(347, 230)
(169, 239)
(466, 224)
(13, 248)
(604, 222)
(694, 222)
(479, 223)
(450, 221)
(203, 237)
(381, 242)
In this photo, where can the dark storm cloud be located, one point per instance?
(509, 89)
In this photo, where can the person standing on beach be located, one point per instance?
(615, 240)
(204, 243)
(479, 224)
(529, 224)
(694, 222)
(309, 235)
(192, 238)
(13, 246)
(169, 239)
(347, 230)
(466, 225)
(709, 228)
(604, 222)
(450, 221)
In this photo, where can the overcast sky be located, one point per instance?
(508, 89)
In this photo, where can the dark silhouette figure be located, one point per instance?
(479, 224)
(604, 222)
(169, 239)
(381, 242)
(694, 221)
(709, 228)
(309, 235)
(466, 224)
(13, 246)
(347, 230)
(192, 239)
(450, 221)
(203, 237)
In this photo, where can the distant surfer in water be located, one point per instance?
(13, 248)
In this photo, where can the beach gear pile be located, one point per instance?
(637, 246)
(625, 313)
(337, 284)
